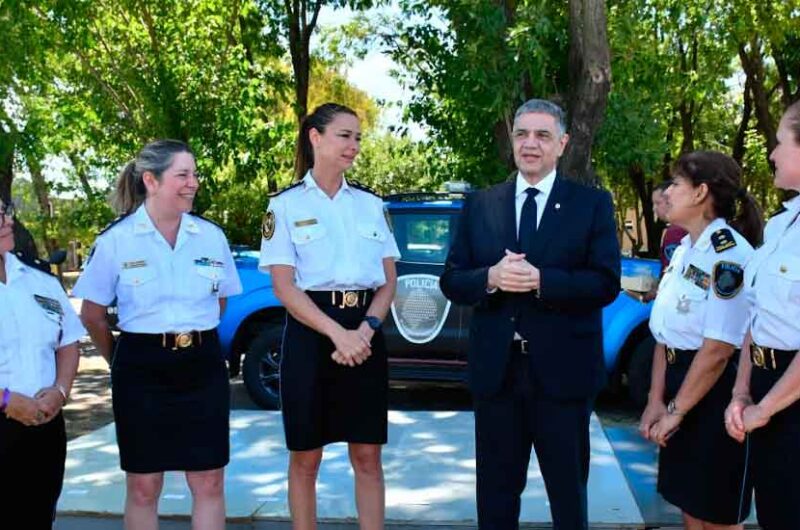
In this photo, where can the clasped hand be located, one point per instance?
(514, 274)
(352, 345)
(37, 410)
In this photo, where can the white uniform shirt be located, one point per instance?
(545, 186)
(160, 289)
(36, 319)
(772, 282)
(333, 243)
(689, 308)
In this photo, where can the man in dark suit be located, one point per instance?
(537, 266)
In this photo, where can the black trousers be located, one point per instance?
(32, 471)
(506, 425)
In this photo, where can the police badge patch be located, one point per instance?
(728, 278)
(268, 225)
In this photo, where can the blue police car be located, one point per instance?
(426, 335)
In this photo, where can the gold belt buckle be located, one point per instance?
(758, 356)
(671, 357)
(349, 299)
(183, 340)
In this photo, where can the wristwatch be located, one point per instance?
(373, 322)
(673, 409)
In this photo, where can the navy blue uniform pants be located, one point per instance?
(32, 471)
(506, 426)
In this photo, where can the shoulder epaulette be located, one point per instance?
(357, 185)
(287, 188)
(722, 239)
(206, 219)
(34, 263)
(113, 223)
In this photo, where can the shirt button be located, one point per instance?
(513, 319)
(784, 268)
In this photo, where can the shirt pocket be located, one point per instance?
(690, 312)
(785, 279)
(138, 286)
(210, 278)
(314, 249)
(48, 327)
(371, 241)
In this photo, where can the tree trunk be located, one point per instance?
(753, 66)
(42, 192)
(301, 25)
(741, 133)
(23, 240)
(644, 190)
(590, 82)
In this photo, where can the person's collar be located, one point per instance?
(793, 203)
(310, 183)
(705, 238)
(143, 224)
(544, 186)
(14, 267)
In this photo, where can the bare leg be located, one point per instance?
(208, 498)
(370, 489)
(303, 470)
(141, 500)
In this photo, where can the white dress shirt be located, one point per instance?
(158, 288)
(687, 308)
(545, 186)
(334, 243)
(36, 319)
(773, 282)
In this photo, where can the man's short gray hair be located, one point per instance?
(542, 106)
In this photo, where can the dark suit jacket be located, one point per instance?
(577, 253)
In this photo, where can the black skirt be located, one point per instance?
(171, 407)
(775, 460)
(324, 402)
(702, 470)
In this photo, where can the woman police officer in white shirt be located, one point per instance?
(700, 315)
(170, 272)
(766, 397)
(39, 332)
(331, 254)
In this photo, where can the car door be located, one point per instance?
(423, 327)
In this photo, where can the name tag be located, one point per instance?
(208, 262)
(138, 264)
(305, 222)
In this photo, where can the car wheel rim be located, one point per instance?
(270, 372)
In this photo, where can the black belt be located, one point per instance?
(770, 358)
(674, 353)
(174, 341)
(520, 346)
(342, 299)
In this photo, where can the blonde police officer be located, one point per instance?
(39, 332)
(331, 255)
(700, 315)
(170, 272)
(766, 398)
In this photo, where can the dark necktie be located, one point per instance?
(527, 221)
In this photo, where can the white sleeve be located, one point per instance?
(72, 328)
(276, 243)
(726, 315)
(98, 281)
(232, 284)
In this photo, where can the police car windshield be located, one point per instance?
(423, 237)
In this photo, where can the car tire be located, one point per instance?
(639, 370)
(261, 367)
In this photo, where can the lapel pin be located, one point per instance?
(558, 206)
